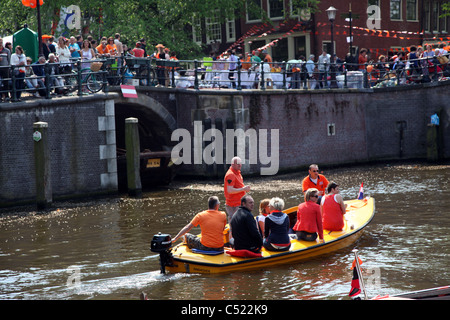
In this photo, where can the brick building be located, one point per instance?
(386, 28)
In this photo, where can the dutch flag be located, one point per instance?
(361, 192)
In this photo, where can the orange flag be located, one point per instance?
(32, 3)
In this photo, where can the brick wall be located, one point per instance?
(81, 141)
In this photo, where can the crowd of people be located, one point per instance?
(323, 208)
(417, 65)
(315, 73)
(62, 55)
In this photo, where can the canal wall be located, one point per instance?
(82, 150)
(333, 127)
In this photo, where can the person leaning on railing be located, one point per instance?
(19, 60)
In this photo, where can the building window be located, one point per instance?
(231, 30)
(396, 9)
(443, 22)
(276, 8)
(411, 10)
(213, 29)
(426, 15)
(197, 30)
(435, 16)
(331, 129)
(253, 10)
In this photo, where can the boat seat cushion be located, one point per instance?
(209, 252)
(243, 253)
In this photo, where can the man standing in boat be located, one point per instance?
(234, 187)
(315, 180)
(212, 223)
(245, 233)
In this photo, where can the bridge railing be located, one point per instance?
(86, 77)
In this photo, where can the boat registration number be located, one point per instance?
(153, 163)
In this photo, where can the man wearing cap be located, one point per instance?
(46, 49)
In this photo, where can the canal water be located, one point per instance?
(100, 249)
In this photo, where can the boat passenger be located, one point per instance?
(276, 229)
(309, 218)
(212, 223)
(243, 227)
(333, 208)
(264, 211)
(315, 180)
(234, 187)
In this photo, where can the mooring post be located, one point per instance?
(42, 165)
(132, 146)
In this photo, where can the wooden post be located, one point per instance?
(132, 146)
(42, 165)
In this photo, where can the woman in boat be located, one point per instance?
(309, 218)
(263, 213)
(333, 208)
(276, 227)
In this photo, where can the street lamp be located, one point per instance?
(331, 12)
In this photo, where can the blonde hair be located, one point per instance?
(309, 192)
(277, 203)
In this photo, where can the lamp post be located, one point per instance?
(331, 12)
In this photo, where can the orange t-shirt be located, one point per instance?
(112, 49)
(100, 49)
(234, 179)
(321, 184)
(212, 223)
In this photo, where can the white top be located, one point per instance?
(18, 58)
(63, 54)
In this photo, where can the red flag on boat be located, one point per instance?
(361, 192)
(356, 288)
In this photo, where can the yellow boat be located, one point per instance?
(181, 259)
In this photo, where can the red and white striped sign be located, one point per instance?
(128, 91)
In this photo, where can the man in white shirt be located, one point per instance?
(324, 60)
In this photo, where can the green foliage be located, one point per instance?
(158, 21)
(446, 9)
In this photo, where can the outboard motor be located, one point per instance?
(162, 244)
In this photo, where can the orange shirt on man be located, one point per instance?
(320, 185)
(102, 50)
(212, 224)
(234, 179)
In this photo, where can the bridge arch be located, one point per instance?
(156, 123)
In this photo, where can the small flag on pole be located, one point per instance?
(356, 288)
(128, 91)
(361, 192)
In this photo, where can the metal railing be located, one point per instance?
(86, 77)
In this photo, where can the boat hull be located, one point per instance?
(359, 214)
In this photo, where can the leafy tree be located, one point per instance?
(158, 21)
